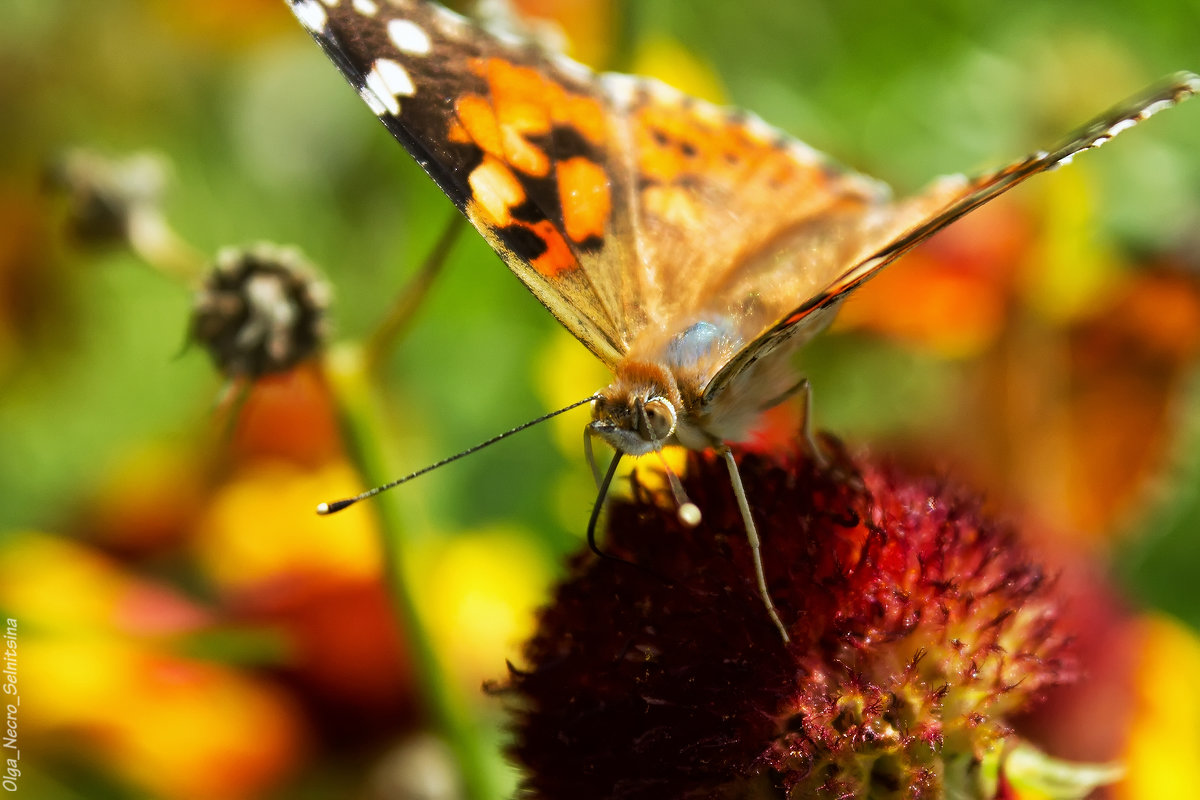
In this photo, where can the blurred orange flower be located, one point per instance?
(1074, 359)
(99, 676)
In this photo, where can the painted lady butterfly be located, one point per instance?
(691, 248)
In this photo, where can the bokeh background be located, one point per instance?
(187, 628)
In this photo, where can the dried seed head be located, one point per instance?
(108, 198)
(261, 310)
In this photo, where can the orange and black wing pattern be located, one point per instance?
(621, 203)
(516, 137)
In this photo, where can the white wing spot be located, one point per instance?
(311, 15)
(453, 23)
(572, 68)
(1124, 124)
(332, 3)
(760, 130)
(368, 8)
(621, 88)
(385, 101)
(377, 106)
(663, 93)
(408, 37)
(709, 113)
(804, 153)
(1154, 108)
(389, 81)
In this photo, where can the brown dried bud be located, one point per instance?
(109, 200)
(261, 310)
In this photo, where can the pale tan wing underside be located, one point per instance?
(718, 194)
(883, 237)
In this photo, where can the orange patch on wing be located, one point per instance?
(457, 133)
(479, 123)
(673, 204)
(585, 198)
(558, 257)
(519, 97)
(495, 190)
(584, 114)
(524, 156)
(523, 105)
(658, 160)
(794, 318)
(674, 142)
(783, 171)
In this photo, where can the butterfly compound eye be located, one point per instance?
(658, 419)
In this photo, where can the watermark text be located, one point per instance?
(11, 752)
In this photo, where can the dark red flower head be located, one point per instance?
(917, 625)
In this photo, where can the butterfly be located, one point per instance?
(691, 248)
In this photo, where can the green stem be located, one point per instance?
(402, 311)
(363, 429)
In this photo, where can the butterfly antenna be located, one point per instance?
(605, 482)
(338, 505)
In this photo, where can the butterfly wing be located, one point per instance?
(718, 193)
(907, 224)
(517, 138)
(619, 202)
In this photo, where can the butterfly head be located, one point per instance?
(639, 412)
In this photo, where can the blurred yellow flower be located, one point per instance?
(176, 727)
(565, 372)
(57, 585)
(478, 593)
(222, 23)
(261, 528)
(96, 677)
(1069, 268)
(586, 24)
(666, 59)
(1163, 755)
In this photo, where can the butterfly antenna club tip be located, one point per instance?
(325, 509)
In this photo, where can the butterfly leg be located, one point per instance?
(752, 535)
(603, 485)
(811, 445)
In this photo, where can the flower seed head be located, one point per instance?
(108, 198)
(917, 625)
(261, 310)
